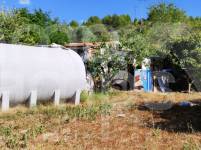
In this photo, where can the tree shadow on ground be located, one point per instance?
(177, 119)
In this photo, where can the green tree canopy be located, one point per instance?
(84, 34)
(59, 33)
(100, 31)
(136, 43)
(166, 13)
(159, 34)
(116, 21)
(186, 51)
(41, 18)
(59, 37)
(74, 24)
(93, 20)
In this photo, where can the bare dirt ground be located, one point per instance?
(124, 123)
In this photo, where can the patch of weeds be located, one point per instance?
(99, 97)
(191, 145)
(113, 92)
(16, 116)
(31, 134)
(25, 139)
(156, 132)
(84, 96)
(6, 131)
(12, 141)
(31, 111)
(9, 117)
(91, 113)
(79, 112)
(9, 137)
(131, 106)
(38, 130)
(16, 140)
(53, 111)
(50, 112)
(105, 109)
(20, 114)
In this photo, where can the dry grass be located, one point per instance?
(95, 125)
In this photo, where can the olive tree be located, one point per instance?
(136, 43)
(84, 34)
(105, 64)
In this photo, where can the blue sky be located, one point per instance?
(80, 10)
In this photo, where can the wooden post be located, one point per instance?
(5, 101)
(33, 99)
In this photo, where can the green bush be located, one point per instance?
(84, 96)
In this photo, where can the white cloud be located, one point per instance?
(24, 2)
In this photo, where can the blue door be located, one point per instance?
(147, 80)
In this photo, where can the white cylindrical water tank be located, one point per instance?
(25, 68)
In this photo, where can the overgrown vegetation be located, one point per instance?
(121, 120)
(167, 32)
(19, 136)
(15, 140)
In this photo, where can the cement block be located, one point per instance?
(77, 97)
(56, 97)
(5, 102)
(33, 99)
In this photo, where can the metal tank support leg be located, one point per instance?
(5, 103)
(33, 99)
(56, 97)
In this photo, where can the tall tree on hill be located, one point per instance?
(101, 32)
(195, 23)
(59, 33)
(9, 22)
(41, 18)
(23, 14)
(166, 13)
(84, 34)
(116, 21)
(107, 21)
(136, 43)
(30, 34)
(186, 50)
(74, 24)
(93, 20)
(160, 34)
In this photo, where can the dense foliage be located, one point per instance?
(166, 13)
(166, 31)
(105, 65)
